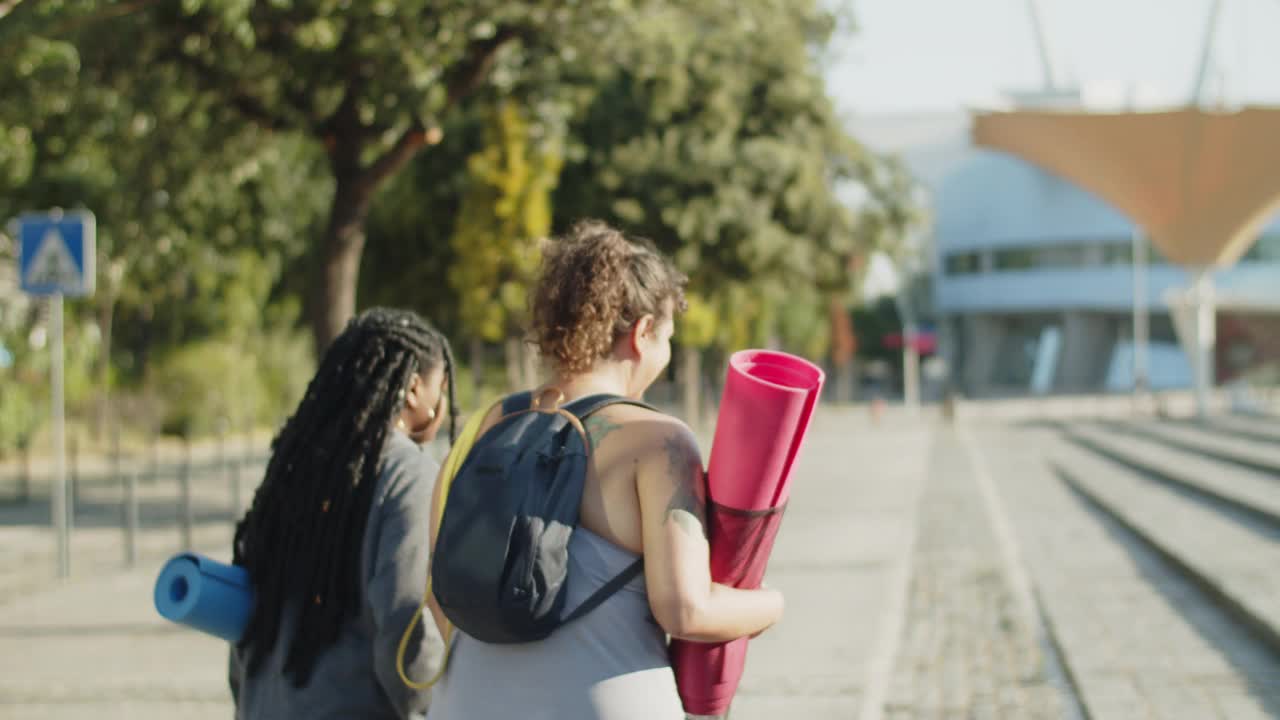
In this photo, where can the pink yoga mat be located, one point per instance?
(768, 401)
(769, 398)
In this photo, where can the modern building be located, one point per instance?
(1033, 277)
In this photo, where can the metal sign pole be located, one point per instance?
(55, 259)
(1204, 333)
(1141, 333)
(58, 491)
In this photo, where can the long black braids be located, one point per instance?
(301, 538)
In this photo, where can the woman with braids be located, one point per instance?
(603, 314)
(336, 539)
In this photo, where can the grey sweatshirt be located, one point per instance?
(356, 677)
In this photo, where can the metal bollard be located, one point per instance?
(115, 451)
(74, 472)
(127, 494)
(131, 519)
(186, 519)
(26, 472)
(237, 492)
(154, 475)
(224, 463)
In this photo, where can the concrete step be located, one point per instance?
(1139, 639)
(1236, 560)
(1244, 490)
(1238, 426)
(1242, 451)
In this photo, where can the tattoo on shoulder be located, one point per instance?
(598, 428)
(687, 506)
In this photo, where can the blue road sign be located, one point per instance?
(57, 252)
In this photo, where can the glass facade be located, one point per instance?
(1073, 255)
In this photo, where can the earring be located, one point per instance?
(431, 414)
(400, 424)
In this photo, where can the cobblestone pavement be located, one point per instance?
(967, 652)
(1140, 641)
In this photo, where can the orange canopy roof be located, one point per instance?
(1201, 184)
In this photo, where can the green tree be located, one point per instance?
(369, 82)
(175, 217)
(505, 213)
(714, 136)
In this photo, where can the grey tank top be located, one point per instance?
(611, 664)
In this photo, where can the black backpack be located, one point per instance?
(501, 561)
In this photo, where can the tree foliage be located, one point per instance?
(505, 212)
(713, 135)
(371, 83)
(240, 155)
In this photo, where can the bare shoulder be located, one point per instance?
(641, 430)
(670, 476)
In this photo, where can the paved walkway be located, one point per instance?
(929, 572)
(93, 646)
(840, 560)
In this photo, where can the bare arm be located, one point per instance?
(684, 600)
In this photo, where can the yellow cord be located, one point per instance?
(404, 647)
(452, 463)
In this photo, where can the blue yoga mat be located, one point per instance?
(205, 594)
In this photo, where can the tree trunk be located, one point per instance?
(511, 350)
(345, 138)
(106, 317)
(530, 364)
(334, 302)
(476, 360)
(844, 382)
(844, 346)
(690, 372)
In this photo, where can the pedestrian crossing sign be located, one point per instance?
(56, 253)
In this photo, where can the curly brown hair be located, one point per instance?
(594, 284)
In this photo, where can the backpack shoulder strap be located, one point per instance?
(517, 403)
(584, 408)
(587, 406)
(452, 464)
(606, 591)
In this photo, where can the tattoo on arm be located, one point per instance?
(598, 428)
(687, 507)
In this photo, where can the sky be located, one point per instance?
(932, 55)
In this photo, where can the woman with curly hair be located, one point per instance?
(336, 539)
(603, 314)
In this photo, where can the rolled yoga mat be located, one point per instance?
(768, 401)
(204, 594)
